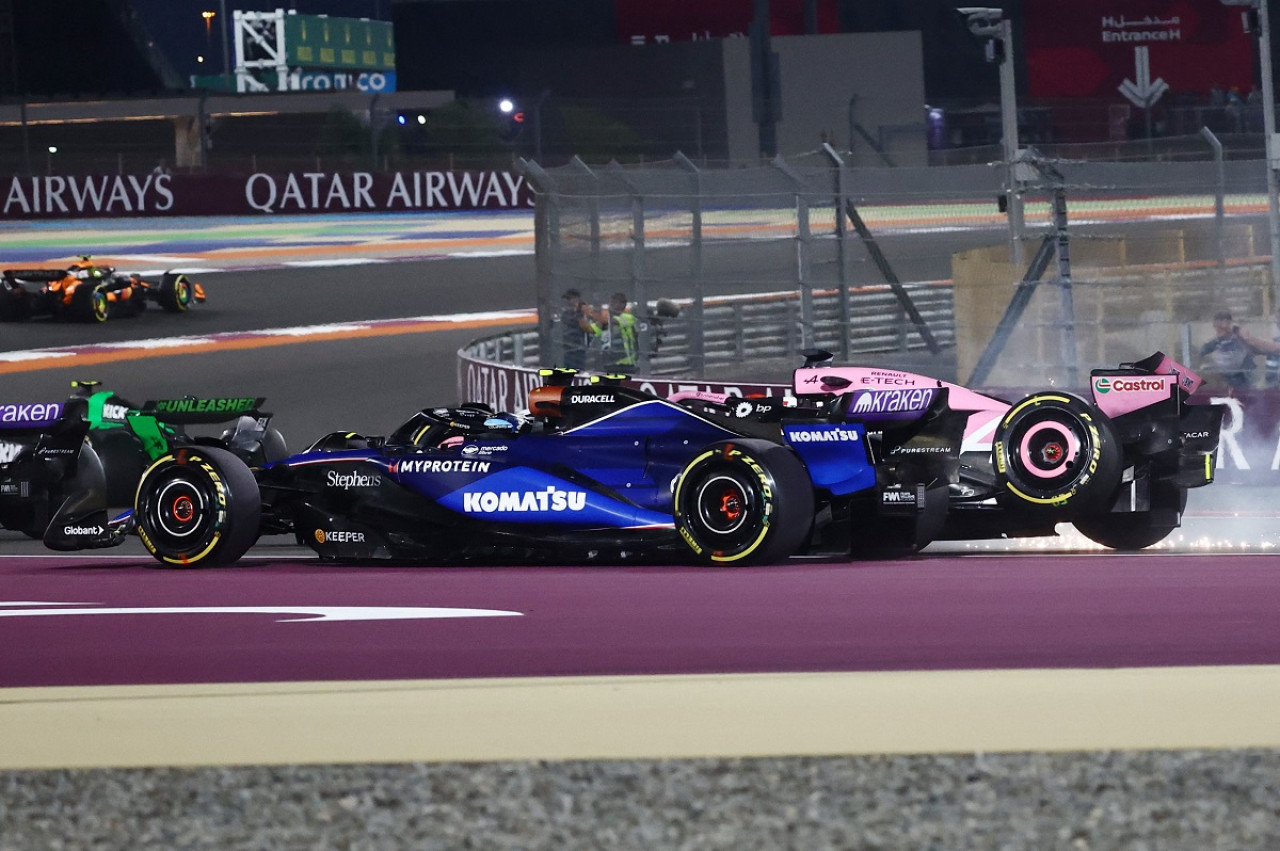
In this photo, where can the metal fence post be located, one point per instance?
(1269, 136)
(697, 334)
(1062, 239)
(842, 247)
(546, 254)
(639, 294)
(593, 216)
(1219, 199)
(1066, 294)
(905, 301)
(804, 283)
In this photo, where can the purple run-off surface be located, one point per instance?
(1044, 611)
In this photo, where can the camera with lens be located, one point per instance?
(662, 309)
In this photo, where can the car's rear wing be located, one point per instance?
(149, 423)
(1141, 384)
(190, 409)
(44, 276)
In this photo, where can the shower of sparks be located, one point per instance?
(1239, 533)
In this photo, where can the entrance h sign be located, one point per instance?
(1097, 49)
(1143, 91)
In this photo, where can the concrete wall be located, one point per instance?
(882, 73)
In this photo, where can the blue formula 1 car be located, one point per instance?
(597, 472)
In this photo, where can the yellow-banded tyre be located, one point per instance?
(15, 305)
(1056, 452)
(175, 293)
(198, 507)
(744, 502)
(90, 304)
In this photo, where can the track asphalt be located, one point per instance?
(218, 243)
(210, 244)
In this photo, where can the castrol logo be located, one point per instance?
(1129, 385)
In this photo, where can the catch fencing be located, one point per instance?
(1116, 261)
(907, 266)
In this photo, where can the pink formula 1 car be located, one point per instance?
(1117, 464)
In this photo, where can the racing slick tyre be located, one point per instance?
(270, 447)
(175, 293)
(274, 447)
(14, 307)
(1055, 451)
(198, 507)
(1137, 530)
(744, 502)
(89, 304)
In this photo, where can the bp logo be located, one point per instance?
(1103, 385)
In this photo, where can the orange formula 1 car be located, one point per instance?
(87, 292)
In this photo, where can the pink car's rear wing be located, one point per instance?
(1121, 391)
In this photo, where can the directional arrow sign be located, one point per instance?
(1145, 92)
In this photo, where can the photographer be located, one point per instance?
(578, 328)
(1227, 358)
(1269, 348)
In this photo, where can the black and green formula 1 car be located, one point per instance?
(96, 445)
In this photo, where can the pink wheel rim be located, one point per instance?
(1064, 451)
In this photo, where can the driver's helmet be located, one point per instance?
(503, 422)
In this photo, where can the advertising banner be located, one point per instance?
(1249, 451)
(324, 81)
(58, 196)
(1138, 50)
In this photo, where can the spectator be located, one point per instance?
(1227, 358)
(1253, 111)
(1269, 348)
(1235, 109)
